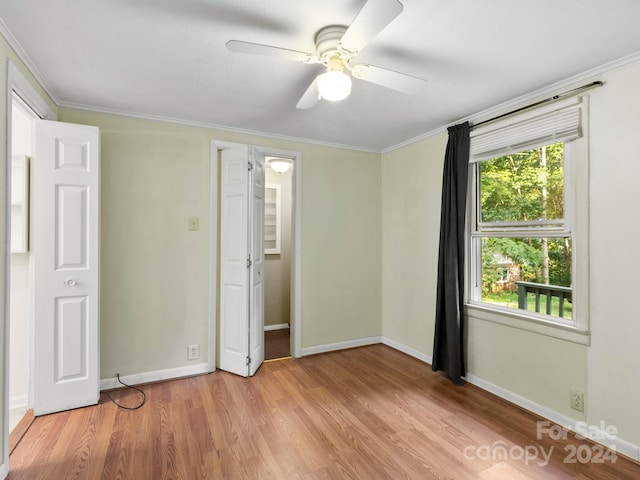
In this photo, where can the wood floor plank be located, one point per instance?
(365, 413)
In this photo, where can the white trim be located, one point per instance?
(408, 350)
(22, 55)
(519, 400)
(214, 126)
(331, 347)
(18, 401)
(296, 263)
(155, 376)
(213, 257)
(621, 446)
(279, 326)
(17, 82)
(517, 102)
(529, 322)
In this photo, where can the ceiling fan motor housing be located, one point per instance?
(327, 42)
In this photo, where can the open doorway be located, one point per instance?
(227, 337)
(22, 140)
(278, 249)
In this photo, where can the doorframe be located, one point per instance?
(296, 242)
(16, 82)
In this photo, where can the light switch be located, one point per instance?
(194, 224)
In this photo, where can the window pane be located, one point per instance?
(528, 273)
(523, 187)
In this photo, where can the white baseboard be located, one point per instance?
(408, 350)
(18, 401)
(155, 376)
(595, 432)
(279, 326)
(331, 347)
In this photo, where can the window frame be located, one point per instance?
(575, 225)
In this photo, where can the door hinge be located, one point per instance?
(249, 166)
(249, 263)
(248, 360)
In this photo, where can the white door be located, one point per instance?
(65, 252)
(256, 325)
(241, 270)
(234, 258)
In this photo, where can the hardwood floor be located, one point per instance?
(365, 413)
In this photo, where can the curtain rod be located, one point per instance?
(541, 102)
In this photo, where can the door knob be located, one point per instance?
(70, 283)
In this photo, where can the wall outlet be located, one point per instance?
(576, 401)
(193, 352)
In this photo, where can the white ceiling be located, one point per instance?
(167, 58)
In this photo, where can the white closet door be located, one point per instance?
(241, 260)
(234, 258)
(66, 180)
(256, 328)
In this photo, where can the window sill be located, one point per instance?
(514, 319)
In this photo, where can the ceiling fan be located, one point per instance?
(336, 46)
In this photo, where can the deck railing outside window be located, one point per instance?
(548, 291)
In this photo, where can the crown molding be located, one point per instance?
(532, 96)
(213, 126)
(22, 55)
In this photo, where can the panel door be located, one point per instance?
(234, 255)
(256, 328)
(65, 238)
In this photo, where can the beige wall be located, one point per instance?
(154, 271)
(277, 267)
(539, 368)
(154, 284)
(613, 382)
(411, 189)
(341, 246)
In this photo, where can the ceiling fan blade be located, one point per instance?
(374, 16)
(269, 51)
(310, 97)
(388, 78)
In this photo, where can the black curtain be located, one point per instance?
(448, 347)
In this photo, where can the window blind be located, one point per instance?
(559, 122)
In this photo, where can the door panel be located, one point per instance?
(256, 334)
(71, 226)
(70, 357)
(234, 252)
(66, 266)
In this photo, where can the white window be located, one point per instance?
(524, 227)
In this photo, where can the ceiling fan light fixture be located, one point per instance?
(334, 85)
(279, 165)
